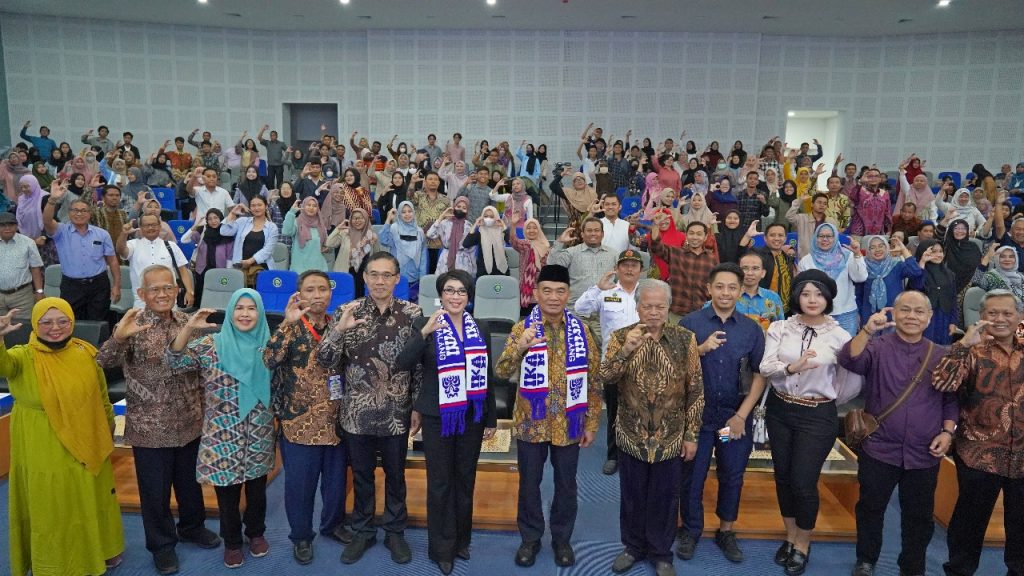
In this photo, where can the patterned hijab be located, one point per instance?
(832, 261)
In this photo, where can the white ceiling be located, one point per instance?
(774, 17)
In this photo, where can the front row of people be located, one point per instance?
(201, 410)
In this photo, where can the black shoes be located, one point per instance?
(303, 552)
(797, 563)
(863, 569)
(527, 554)
(686, 547)
(662, 568)
(342, 534)
(463, 553)
(727, 542)
(783, 553)
(166, 561)
(445, 567)
(610, 467)
(400, 552)
(623, 562)
(204, 538)
(355, 550)
(564, 555)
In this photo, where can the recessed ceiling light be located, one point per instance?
(944, 3)
(791, 114)
(345, 2)
(492, 2)
(203, 1)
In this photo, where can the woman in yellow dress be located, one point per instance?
(64, 516)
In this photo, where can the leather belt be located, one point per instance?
(812, 402)
(86, 280)
(9, 292)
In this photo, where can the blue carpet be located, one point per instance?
(596, 541)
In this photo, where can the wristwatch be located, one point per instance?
(950, 432)
(39, 290)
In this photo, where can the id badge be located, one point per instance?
(335, 387)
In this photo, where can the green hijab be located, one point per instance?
(239, 354)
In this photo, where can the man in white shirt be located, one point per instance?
(21, 268)
(209, 195)
(616, 230)
(149, 250)
(616, 304)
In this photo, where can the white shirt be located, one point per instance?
(616, 306)
(856, 271)
(616, 234)
(144, 253)
(17, 256)
(219, 199)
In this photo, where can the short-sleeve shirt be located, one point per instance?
(721, 367)
(144, 253)
(82, 255)
(219, 199)
(17, 256)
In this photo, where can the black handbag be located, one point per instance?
(180, 300)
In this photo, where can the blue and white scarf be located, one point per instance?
(461, 373)
(533, 373)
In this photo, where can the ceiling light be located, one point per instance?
(492, 2)
(791, 114)
(944, 3)
(344, 2)
(203, 1)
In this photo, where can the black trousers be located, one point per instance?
(564, 460)
(801, 438)
(231, 517)
(648, 506)
(274, 177)
(362, 451)
(966, 533)
(451, 479)
(89, 297)
(433, 254)
(157, 470)
(611, 399)
(917, 504)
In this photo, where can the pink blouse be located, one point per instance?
(785, 342)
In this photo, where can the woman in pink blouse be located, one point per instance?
(800, 364)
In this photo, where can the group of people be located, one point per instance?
(698, 321)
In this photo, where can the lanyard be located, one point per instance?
(312, 330)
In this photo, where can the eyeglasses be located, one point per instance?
(47, 324)
(79, 210)
(825, 236)
(381, 275)
(455, 291)
(165, 289)
(751, 268)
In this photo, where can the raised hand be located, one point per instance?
(635, 337)
(433, 323)
(976, 334)
(391, 216)
(198, 320)
(294, 310)
(714, 342)
(529, 339)
(129, 325)
(804, 363)
(752, 229)
(606, 282)
(57, 189)
(348, 319)
(567, 235)
(879, 321)
(6, 327)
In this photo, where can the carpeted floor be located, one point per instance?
(596, 541)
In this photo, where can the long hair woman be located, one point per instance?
(456, 407)
(236, 450)
(64, 516)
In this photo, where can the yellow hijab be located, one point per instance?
(69, 386)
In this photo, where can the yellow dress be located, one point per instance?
(63, 520)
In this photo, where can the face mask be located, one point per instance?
(602, 170)
(329, 174)
(460, 213)
(721, 166)
(487, 221)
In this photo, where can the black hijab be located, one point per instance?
(729, 249)
(962, 256)
(250, 188)
(790, 198)
(939, 280)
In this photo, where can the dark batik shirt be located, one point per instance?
(378, 398)
(299, 395)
